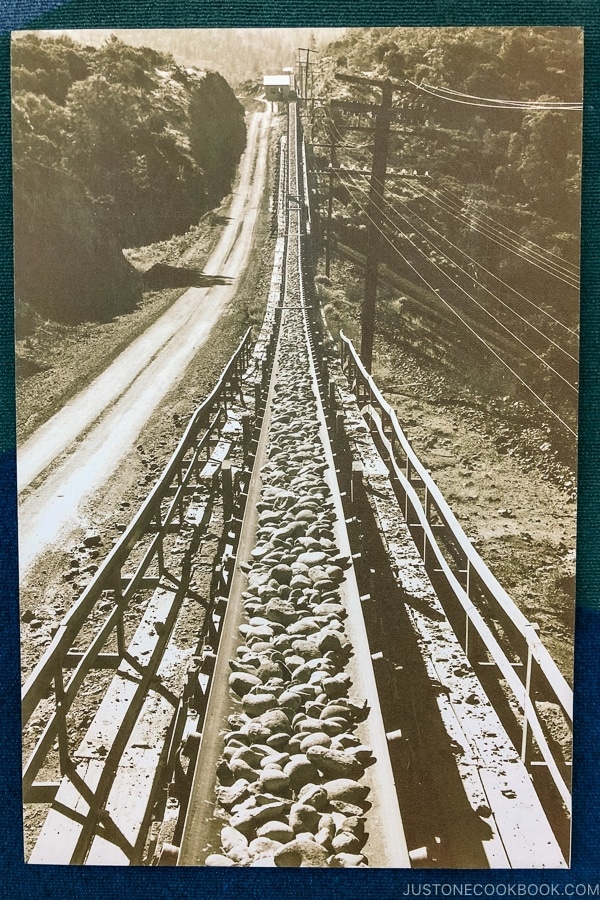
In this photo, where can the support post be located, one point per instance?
(246, 431)
(332, 402)
(526, 733)
(160, 553)
(120, 626)
(381, 134)
(356, 482)
(227, 483)
(61, 716)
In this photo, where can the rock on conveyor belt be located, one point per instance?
(290, 780)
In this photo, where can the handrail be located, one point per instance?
(492, 645)
(109, 573)
(381, 416)
(557, 681)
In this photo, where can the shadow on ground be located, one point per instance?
(161, 276)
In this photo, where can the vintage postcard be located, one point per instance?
(297, 331)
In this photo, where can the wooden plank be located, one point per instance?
(114, 706)
(468, 765)
(64, 822)
(105, 853)
(209, 470)
(133, 790)
(217, 457)
(130, 803)
(58, 840)
(526, 834)
(491, 762)
(197, 514)
(494, 775)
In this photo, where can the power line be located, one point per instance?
(485, 230)
(437, 92)
(375, 231)
(465, 272)
(477, 303)
(508, 243)
(472, 330)
(461, 200)
(550, 104)
(497, 227)
(552, 268)
(496, 277)
(524, 107)
(342, 141)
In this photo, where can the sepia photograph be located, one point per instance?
(297, 377)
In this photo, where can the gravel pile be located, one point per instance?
(290, 784)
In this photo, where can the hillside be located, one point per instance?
(114, 147)
(484, 243)
(526, 163)
(239, 54)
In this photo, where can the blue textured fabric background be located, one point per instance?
(17, 879)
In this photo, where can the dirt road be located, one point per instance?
(69, 457)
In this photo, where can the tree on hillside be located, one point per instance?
(48, 67)
(215, 147)
(132, 159)
(532, 158)
(114, 147)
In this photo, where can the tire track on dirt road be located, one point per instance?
(76, 450)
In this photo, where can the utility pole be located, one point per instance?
(332, 165)
(307, 70)
(383, 117)
(375, 225)
(332, 172)
(300, 78)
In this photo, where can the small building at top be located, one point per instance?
(277, 87)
